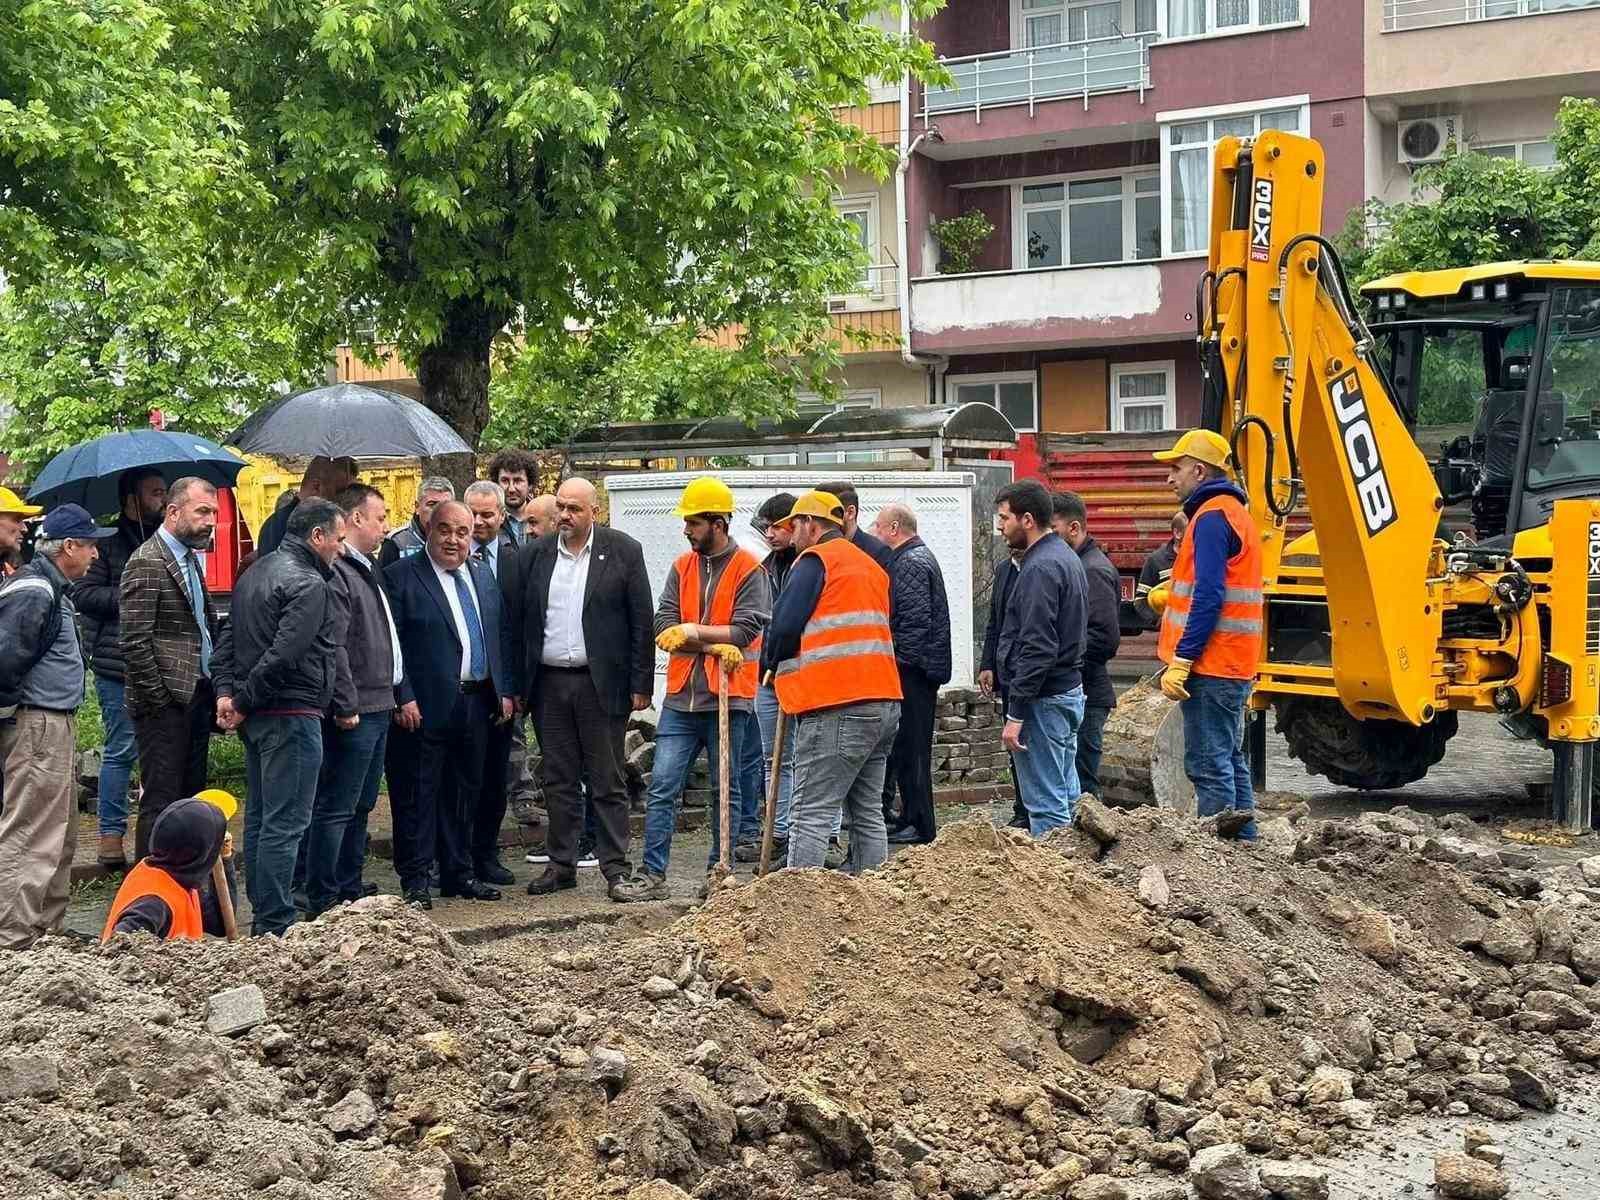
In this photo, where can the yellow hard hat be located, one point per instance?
(223, 801)
(825, 506)
(1203, 444)
(708, 494)
(12, 506)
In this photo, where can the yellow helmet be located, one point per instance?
(708, 494)
(11, 504)
(825, 506)
(223, 801)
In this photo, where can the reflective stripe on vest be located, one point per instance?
(1233, 650)
(846, 650)
(145, 880)
(680, 666)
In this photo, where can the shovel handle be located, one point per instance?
(219, 884)
(770, 816)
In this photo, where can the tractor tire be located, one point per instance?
(1368, 755)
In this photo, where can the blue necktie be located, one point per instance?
(479, 668)
(197, 602)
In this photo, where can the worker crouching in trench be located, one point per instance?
(170, 892)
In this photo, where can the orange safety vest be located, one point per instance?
(145, 880)
(847, 651)
(1234, 648)
(680, 664)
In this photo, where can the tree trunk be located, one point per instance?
(454, 374)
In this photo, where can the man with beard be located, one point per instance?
(168, 630)
(514, 470)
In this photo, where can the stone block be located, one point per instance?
(236, 1010)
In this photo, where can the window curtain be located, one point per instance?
(1186, 17)
(1191, 184)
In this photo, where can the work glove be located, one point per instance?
(728, 655)
(674, 638)
(1156, 597)
(1174, 677)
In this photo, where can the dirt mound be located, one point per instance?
(984, 1017)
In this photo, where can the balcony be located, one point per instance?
(1008, 78)
(1427, 14)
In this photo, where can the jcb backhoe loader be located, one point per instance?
(1379, 629)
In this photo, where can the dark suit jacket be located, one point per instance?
(618, 617)
(160, 639)
(429, 641)
(511, 568)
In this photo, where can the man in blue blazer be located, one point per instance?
(461, 677)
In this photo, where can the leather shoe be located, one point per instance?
(369, 889)
(421, 899)
(495, 872)
(551, 882)
(471, 889)
(905, 836)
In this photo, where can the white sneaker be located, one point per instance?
(538, 856)
(587, 859)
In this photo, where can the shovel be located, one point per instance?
(770, 817)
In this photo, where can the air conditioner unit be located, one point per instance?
(1429, 139)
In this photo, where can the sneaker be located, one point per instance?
(646, 885)
(586, 856)
(536, 857)
(838, 854)
(747, 852)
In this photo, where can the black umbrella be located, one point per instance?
(348, 420)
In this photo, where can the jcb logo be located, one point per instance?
(1366, 468)
(1594, 548)
(1261, 222)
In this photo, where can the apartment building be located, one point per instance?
(1485, 75)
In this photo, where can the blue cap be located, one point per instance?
(72, 521)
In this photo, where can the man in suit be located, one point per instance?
(460, 680)
(167, 633)
(590, 662)
(494, 548)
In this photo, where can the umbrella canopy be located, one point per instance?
(87, 473)
(348, 420)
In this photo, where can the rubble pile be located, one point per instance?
(1129, 1010)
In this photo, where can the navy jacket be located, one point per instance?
(430, 644)
(920, 611)
(1040, 652)
(1214, 544)
(1104, 632)
(1005, 573)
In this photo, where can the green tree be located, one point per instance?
(485, 171)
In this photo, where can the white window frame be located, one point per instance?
(953, 383)
(1127, 22)
(1130, 207)
(1169, 415)
(1184, 116)
(1517, 148)
(869, 284)
(1254, 25)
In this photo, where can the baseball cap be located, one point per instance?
(824, 505)
(72, 521)
(12, 506)
(1203, 444)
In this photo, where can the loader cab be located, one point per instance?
(1509, 355)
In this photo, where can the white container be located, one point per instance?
(641, 506)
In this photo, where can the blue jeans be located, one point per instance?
(1047, 770)
(680, 736)
(282, 758)
(117, 757)
(767, 715)
(347, 785)
(1213, 747)
(752, 780)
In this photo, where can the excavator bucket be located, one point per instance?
(1142, 757)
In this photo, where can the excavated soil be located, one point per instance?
(984, 1017)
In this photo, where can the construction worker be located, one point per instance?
(1211, 627)
(162, 894)
(709, 619)
(831, 653)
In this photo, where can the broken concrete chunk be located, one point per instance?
(1330, 1085)
(1128, 1107)
(1225, 1173)
(1295, 1181)
(658, 987)
(1463, 1178)
(1098, 821)
(1510, 941)
(1153, 889)
(29, 1075)
(352, 1116)
(235, 1010)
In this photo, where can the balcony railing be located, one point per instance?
(1426, 14)
(1011, 77)
(876, 286)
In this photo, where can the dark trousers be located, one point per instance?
(173, 744)
(442, 771)
(911, 761)
(352, 766)
(1091, 737)
(582, 743)
(282, 759)
(490, 809)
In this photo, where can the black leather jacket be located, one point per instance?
(277, 649)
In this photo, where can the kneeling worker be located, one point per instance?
(1211, 627)
(831, 654)
(168, 892)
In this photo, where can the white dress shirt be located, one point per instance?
(394, 634)
(563, 614)
(448, 584)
